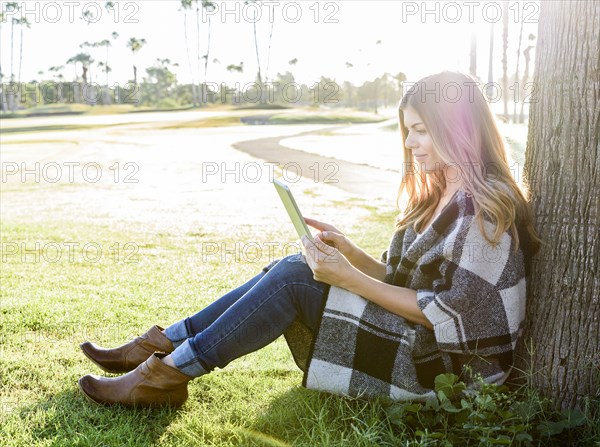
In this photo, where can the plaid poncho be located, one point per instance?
(473, 294)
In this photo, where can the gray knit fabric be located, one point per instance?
(471, 292)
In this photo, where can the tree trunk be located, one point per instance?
(195, 95)
(518, 88)
(504, 58)
(260, 86)
(561, 340)
(525, 81)
(187, 51)
(10, 97)
(77, 93)
(473, 55)
(490, 80)
(21, 48)
(205, 99)
(3, 104)
(106, 100)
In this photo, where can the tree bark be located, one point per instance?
(560, 346)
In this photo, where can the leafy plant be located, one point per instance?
(486, 414)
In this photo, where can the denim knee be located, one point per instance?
(296, 266)
(293, 258)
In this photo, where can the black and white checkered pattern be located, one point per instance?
(473, 294)
(362, 350)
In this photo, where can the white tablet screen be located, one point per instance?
(292, 209)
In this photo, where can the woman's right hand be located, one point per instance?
(334, 237)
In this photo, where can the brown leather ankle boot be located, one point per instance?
(127, 357)
(152, 384)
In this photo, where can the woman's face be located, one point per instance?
(420, 143)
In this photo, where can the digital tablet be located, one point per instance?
(292, 209)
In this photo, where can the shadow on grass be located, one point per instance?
(303, 417)
(289, 420)
(68, 418)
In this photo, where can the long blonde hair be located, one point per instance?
(465, 136)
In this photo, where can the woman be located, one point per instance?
(458, 305)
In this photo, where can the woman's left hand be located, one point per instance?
(326, 262)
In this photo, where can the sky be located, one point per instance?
(417, 38)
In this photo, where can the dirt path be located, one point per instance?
(182, 180)
(361, 180)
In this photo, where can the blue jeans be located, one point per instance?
(249, 317)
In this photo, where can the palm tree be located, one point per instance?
(57, 69)
(400, 79)
(210, 7)
(114, 36)
(12, 7)
(85, 60)
(57, 73)
(269, 51)
(490, 65)
(517, 73)
(3, 105)
(135, 45)
(473, 55)
(530, 47)
(105, 43)
(185, 5)
(237, 68)
(89, 45)
(22, 21)
(105, 68)
(259, 75)
(89, 16)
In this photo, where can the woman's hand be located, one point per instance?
(327, 263)
(331, 236)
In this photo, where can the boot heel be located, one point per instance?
(152, 384)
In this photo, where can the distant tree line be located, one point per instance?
(159, 86)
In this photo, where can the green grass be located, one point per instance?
(86, 109)
(325, 118)
(214, 121)
(48, 308)
(59, 127)
(53, 109)
(29, 142)
(233, 118)
(245, 116)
